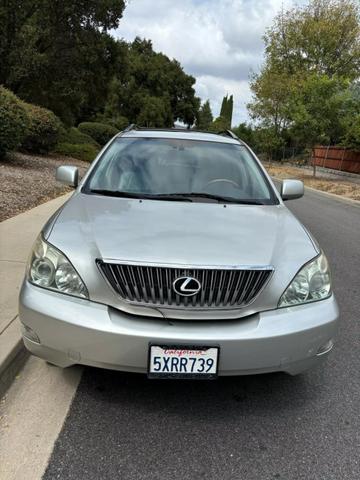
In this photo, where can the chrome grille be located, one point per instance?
(220, 288)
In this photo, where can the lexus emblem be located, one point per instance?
(186, 286)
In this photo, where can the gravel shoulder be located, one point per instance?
(338, 185)
(29, 180)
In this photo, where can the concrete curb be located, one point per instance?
(12, 355)
(17, 234)
(336, 197)
(327, 194)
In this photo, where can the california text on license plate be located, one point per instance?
(183, 362)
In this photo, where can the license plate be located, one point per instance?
(183, 362)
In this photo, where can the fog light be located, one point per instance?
(325, 348)
(29, 333)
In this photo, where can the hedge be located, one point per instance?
(100, 132)
(44, 130)
(118, 122)
(74, 136)
(83, 151)
(14, 121)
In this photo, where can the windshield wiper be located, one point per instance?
(145, 196)
(217, 198)
(177, 197)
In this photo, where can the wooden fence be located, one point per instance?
(336, 158)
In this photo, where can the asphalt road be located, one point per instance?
(274, 426)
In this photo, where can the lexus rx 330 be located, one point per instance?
(177, 257)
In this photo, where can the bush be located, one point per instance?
(14, 121)
(74, 136)
(82, 151)
(100, 132)
(352, 137)
(44, 130)
(118, 122)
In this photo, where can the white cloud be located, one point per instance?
(217, 41)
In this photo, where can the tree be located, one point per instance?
(322, 37)
(312, 54)
(205, 117)
(152, 75)
(246, 133)
(267, 142)
(226, 110)
(272, 93)
(351, 139)
(317, 110)
(58, 54)
(219, 125)
(229, 110)
(223, 107)
(351, 118)
(154, 112)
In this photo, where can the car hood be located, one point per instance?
(93, 227)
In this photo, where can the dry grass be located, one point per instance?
(342, 187)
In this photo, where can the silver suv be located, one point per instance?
(177, 257)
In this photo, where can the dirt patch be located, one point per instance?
(337, 186)
(27, 181)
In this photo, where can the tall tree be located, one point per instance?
(57, 53)
(205, 117)
(312, 55)
(226, 112)
(152, 74)
(223, 107)
(322, 37)
(229, 110)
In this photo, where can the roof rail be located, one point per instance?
(229, 133)
(132, 126)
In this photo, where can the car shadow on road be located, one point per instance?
(223, 397)
(125, 426)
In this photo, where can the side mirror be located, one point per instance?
(292, 189)
(68, 175)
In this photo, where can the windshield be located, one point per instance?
(153, 167)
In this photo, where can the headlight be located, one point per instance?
(311, 283)
(49, 268)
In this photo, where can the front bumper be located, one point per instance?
(76, 331)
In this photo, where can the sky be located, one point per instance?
(219, 42)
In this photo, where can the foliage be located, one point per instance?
(58, 54)
(219, 125)
(151, 75)
(100, 132)
(350, 119)
(321, 37)
(246, 133)
(269, 143)
(302, 93)
(43, 132)
(154, 111)
(117, 121)
(351, 138)
(205, 117)
(14, 121)
(317, 110)
(74, 136)
(82, 151)
(272, 97)
(226, 111)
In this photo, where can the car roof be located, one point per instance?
(181, 134)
